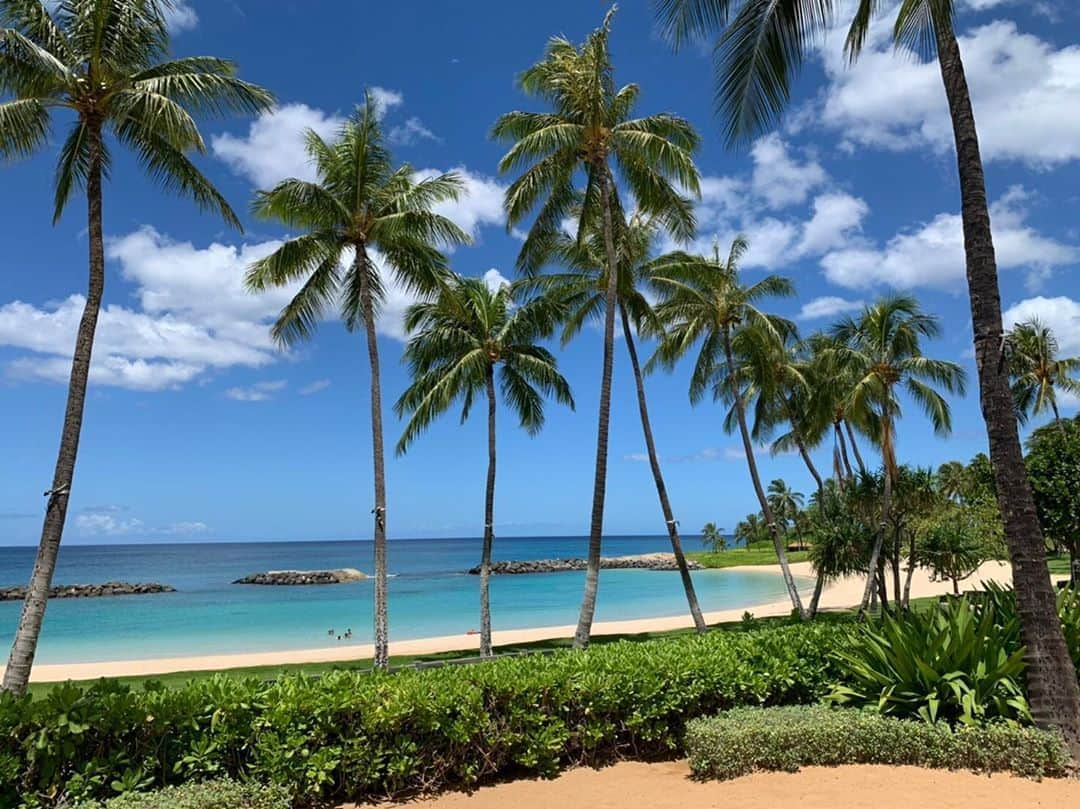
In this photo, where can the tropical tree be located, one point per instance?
(1037, 372)
(883, 349)
(588, 133)
(786, 503)
(1053, 464)
(714, 537)
(952, 480)
(458, 341)
(582, 287)
(829, 406)
(103, 65)
(751, 530)
(362, 213)
(761, 47)
(705, 306)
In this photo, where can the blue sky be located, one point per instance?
(198, 429)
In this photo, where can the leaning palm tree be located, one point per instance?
(458, 341)
(1038, 373)
(361, 214)
(582, 287)
(103, 62)
(588, 133)
(705, 304)
(882, 349)
(758, 56)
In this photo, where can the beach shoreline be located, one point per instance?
(842, 594)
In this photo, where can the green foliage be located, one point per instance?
(218, 794)
(956, 539)
(1053, 466)
(714, 537)
(349, 736)
(958, 662)
(746, 740)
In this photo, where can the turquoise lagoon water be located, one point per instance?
(430, 594)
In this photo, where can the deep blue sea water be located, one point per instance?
(430, 594)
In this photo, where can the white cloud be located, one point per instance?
(933, 254)
(273, 149)
(314, 387)
(481, 201)
(385, 100)
(780, 179)
(828, 306)
(1025, 92)
(186, 528)
(410, 132)
(1061, 314)
(495, 280)
(106, 523)
(181, 17)
(836, 216)
(259, 392)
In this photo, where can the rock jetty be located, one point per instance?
(297, 578)
(644, 561)
(109, 588)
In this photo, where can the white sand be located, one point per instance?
(842, 594)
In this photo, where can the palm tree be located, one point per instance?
(785, 502)
(751, 530)
(704, 303)
(104, 62)
(952, 480)
(1037, 371)
(829, 405)
(363, 211)
(882, 349)
(582, 287)
(458, 340)
(588, 131)
(758, 56)
(713, 537)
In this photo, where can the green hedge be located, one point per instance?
(356, 736)
(218, 794)
(746, 740)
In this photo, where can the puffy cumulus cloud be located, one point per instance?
(273, 148)
(495, 280)
(385, 100)
(193, 317)
(1061, 314)
(1026, 93)
(259, 392)
(932, 255)
(109, 521)
(409, 132)
(780, 179)
(480, 203)
(828, 306)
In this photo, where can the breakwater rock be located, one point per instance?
(644, 561)
(298, 578)
(109, 588)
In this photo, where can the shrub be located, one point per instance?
(746, 740)
(354, 736)
(218, 794)
(960, 661)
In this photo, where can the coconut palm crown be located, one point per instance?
(1038, 373)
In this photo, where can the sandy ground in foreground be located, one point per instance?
(668, 786)
(842, 594)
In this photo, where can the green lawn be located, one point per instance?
(1059, 565)
(759, 553)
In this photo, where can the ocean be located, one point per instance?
(430, 594)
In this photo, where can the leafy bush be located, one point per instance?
(957, 662)
(218, 794)
(355, 736)
(746, 740)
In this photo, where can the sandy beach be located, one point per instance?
(841, 594)
(667, 785)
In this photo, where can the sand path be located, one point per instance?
(633, 785)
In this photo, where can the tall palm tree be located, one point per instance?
(458, 341)
(588, 133)
(582, 287)
(360, 213)
(758, 56)
(951, 480)
(1037, 371)
(785, 502)
(104, 63)
(882, 349)
(704, 303)
(830, 408)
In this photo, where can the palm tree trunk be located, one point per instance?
(803, 451)
(658, 477)
(886, 504)
(596, 527)
(910, 571)
(382, 631)
(842, 444)
(24, 647)
(1057, 418)
(489, 524)
(1052, 685)
(815, 599)
(751, 462)
(854, 447)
